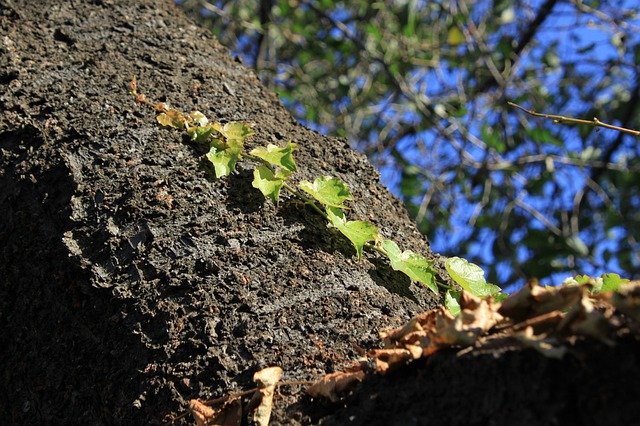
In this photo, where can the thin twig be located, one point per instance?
(561, 119)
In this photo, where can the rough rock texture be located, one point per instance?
(131, 280)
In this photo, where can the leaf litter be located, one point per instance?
(550, 320)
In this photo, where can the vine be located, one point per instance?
(326, 195)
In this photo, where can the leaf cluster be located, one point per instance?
(421, 88)
(327, 195)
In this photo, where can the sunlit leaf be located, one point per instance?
(357, 231)
(281, 157)
(172, 118)
(329, 191)
(234, 131)
(415, 266)
(612, 282)
(451, 302)
(268, 183)
(470, 277)
(223, 160)
(201, 134)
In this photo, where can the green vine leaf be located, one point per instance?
(470, 277)
(358, 232)
(276, 156)
(612, 282)
(234, 131)
(452, 302)
(329, 191)
(198, 118)
(225, 152)
(267, 182)
(201, 134)
(223, 160)
(415, 266)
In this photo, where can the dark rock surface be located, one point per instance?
(132, 281)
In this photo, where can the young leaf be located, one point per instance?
(357, 231)
(612, 282)
(499, 297)
(470, 277)
(268, 183)
(281, 157)
(329, 191)
(234, 131)
(200, 133)
(415, 266)
(172, 118)
(198, 118)
(223, 160)
(451, 299)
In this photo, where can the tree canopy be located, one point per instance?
(423, 89)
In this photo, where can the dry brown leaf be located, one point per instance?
(201, 413)
(230, 414)
(386, 359)
(266, 380)
(333, 384)
(540, 344)
(533, 300)
(420, 323)
(471, 323)
(544, 323)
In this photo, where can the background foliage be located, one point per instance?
(421, 87)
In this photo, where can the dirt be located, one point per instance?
(131, 280)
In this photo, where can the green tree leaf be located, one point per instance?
(415, 266)
(329, 191)
(451, 302)
(200, 134)
(612, 282)
(470, 277)
(357, 231)
(234, 132)
(267, 182)
(281, 157)
(224, 161)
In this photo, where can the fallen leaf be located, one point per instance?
(540, 344)
(201, 413)
(230, 414)
(335, 383)
(386, 359)
(266, 380)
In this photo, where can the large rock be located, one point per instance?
(130, 279)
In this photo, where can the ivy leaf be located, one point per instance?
(198, 118)
(281, 157)
(200, 134)
(451, 302)
(470, 277)
(612, 282)
(415, 266)
(499, 297)
(172, 118)
(234, 131)
(357, 231)
(267, 182)
(224, 160)
(329, 191)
